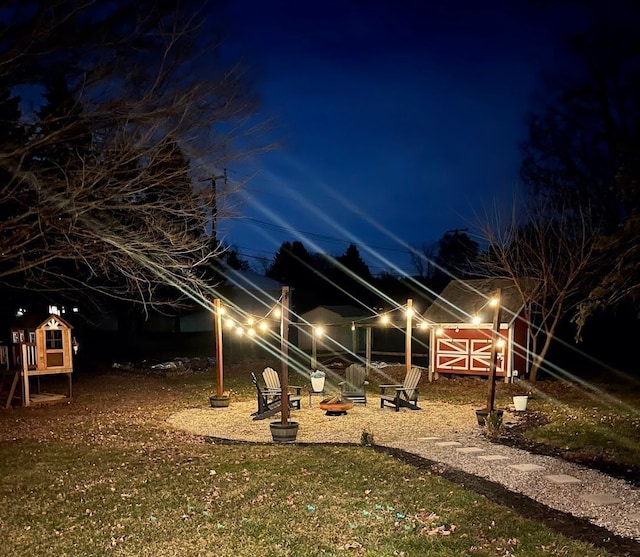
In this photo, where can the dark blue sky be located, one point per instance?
(397, 120)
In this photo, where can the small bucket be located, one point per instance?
(520, 403)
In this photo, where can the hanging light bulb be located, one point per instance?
(439, 331)
(263, 326)
(240, 331)
(475, 319)
(384, 319)
(230, 323)
(353, 326)
(277, 312)
(251, 332)
(318, 331)
(424, 325)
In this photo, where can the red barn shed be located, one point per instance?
(461, 331)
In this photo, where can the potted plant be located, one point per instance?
(317, 381)
(483, 413)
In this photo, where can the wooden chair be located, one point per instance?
(354, 385)
(405, 395)
(269, 400)
(272, 382)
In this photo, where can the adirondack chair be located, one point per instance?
(272, 382)
(405, 395)
(354, 385)
(269, 401)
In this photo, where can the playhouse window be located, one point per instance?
(54, 340)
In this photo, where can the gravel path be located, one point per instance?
(422, 433)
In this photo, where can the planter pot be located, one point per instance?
(219, 401)
(317, 381)
(482, 413)
(520, 402)
(284, 433)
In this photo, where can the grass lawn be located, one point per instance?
(104, 475)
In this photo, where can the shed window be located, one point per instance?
(54, 339)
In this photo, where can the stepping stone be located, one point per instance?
(601, 499)
(562, 479)
(470, 450)
(491, 457)
(448, 444)
(526, 467)
(428, 438)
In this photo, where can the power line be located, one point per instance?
(323, 237)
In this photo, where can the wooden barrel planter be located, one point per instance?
(219, 401)
(284, 433)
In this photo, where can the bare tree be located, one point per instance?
(547, 255)
(101, 185)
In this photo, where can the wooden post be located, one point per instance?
(314, 353)
(354, 339)
(495, 333)
(217, 326)
(367, 351)
(26, 395)
(407, 342)
(284, 340)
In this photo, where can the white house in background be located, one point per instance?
(336, 322)
(245, 294)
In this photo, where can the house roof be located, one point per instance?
(341, 313)
(36, 320)
(249, 280)
(461, 300)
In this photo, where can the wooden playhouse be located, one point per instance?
(38, 347)
(461, 329)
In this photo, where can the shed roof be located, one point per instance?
(461, 300)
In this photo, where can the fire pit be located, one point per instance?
(335, 406)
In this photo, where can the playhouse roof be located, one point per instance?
(461, 300)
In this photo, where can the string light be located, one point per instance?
(424, 325)
(318, 331)
(263, 326)
(439, 331)
(476, 319)
(384, 319)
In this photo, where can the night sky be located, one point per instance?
(397, 120)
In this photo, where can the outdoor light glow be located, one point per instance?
(230, 323)
(439, 332)
(277, 312)
(318, 331)
(221, 310)
(251, 332)
(353, 326)
(500, 343)
(424, 325)
(475, 320)
(409, 312)
(250, 321)
(264, 326)
(240, 331)
(493, 302)
(384, 319)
